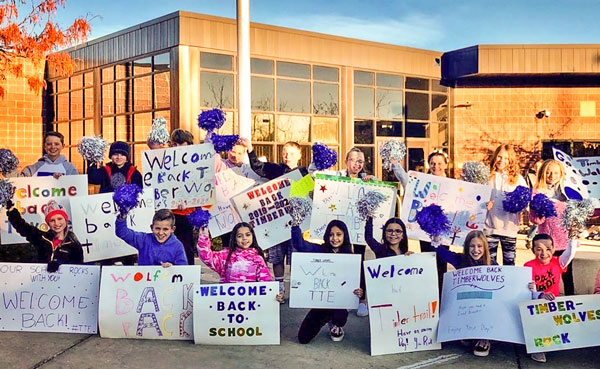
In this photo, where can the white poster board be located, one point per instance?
(31, 196)
(94, 224)
(336, 197)
(483, 302)
(266, 208)
(34, 300)
(324, 280)
(582, 175)
(568, 322)
(237, 314)
(223, 215)
(403, 303)
(148, 302)
(464, 204)
(182, 175)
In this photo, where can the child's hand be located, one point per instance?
(166, 265)
(531, 286)
(358, 292)
(180, 207)
(368, 177)
(247, 143)
(203, 231)
(547, 296)
(57, 175)
(490, 205)
(538, 221)
(279, 297)
(408, 253)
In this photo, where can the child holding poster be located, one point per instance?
(394, 240)
(52, 163)
(117, 172)
(56, 246)
(336, 240)
(160, 247)
(501, 227)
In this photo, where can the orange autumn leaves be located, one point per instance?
(29, 34)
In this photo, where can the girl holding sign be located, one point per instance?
(336, 240)
(394, 240)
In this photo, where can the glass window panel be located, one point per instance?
(363, 78)
(263, 127)
(439, 108)
(108, 129)
(123, 70)
(162, 90)
(142, 94)
(108, 74)
(363, 131)
(416, 159)
(363, 101)
(416, 129)
(389, 80)
(76, 81)
(293, 70)
(76, 133)
(123, 96)
(216, 61)
(142, 66)
(77, 104)
(108, 100)
(88, 103)
(293, 96)
(216, 90)
(262, 93)
(436, 86)
(438, 134)
(64, 129)
(138, 149)
(389, 103)
(368, 151)
(389, 128)
(325, 73)
(264, 151)
(293, 128)
(261, 66)
(89, 128)
(162, 62)
(88, 79)
(325, 99)
(417, 106)
(142, 126)
(63, 85)
(123, 127)
(414, 83)
(325, 130)
(62, 108)
(227, 128)
(76, 159)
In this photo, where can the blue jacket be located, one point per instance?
(151, 252)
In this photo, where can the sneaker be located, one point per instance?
(482, 348)
(336, 333)
(540, 357)
(362, 310)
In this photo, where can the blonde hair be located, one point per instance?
(541, 174)
(512, 168)
(485, 258)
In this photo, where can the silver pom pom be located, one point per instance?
(576, 216)
(92, 149)
(475, 172)
(159, 133)
(6, 192)
(300, 208)
(392, 150)
(369, 203)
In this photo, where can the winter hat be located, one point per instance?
(119, 147)
(53, 208)
(159, 133)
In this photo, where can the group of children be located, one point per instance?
(242, 260)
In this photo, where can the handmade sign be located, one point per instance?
(31, 196)
(94, 224)
(582, 175)
(336, 197)
(568, 322)
(223, 215)
(148, 302)
(266, 208)
(182, 175)
(34, 300)
(237, 314)
(324, 280)
(483, 302)
(403, 303)
(463, 202)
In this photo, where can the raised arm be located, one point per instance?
(95, 174)
(131, 237)
(569, 254)
(213, 260)
(300, 245)
(377, 247)
(446, 255)
(23, 228)
(400, 174)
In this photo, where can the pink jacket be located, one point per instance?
(553, 226)
(597, 284)
(243, 266)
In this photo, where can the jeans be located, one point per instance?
(316, 319)
(508, 244)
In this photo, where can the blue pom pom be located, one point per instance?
(8, 162)
(516, 201)
(199, 218)
(223, 143)
(542, 205)
(126, 197)
(323, 156)
(433, 221)
(211, 120)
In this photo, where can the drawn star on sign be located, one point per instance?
(323, 188)
(332, 207)
(266, 233)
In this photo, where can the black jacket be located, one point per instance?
(68, 252)
(100, 176)
(271, 170)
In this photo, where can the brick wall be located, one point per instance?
(508, 115)
(21, 119)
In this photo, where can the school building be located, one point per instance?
(310, 87)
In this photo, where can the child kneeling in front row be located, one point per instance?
(160, 247)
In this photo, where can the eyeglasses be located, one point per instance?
(397, 231)
(361, 162)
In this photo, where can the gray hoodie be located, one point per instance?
(46, 167)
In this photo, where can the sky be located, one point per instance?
(441, 25)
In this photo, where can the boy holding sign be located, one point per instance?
(117, 172)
